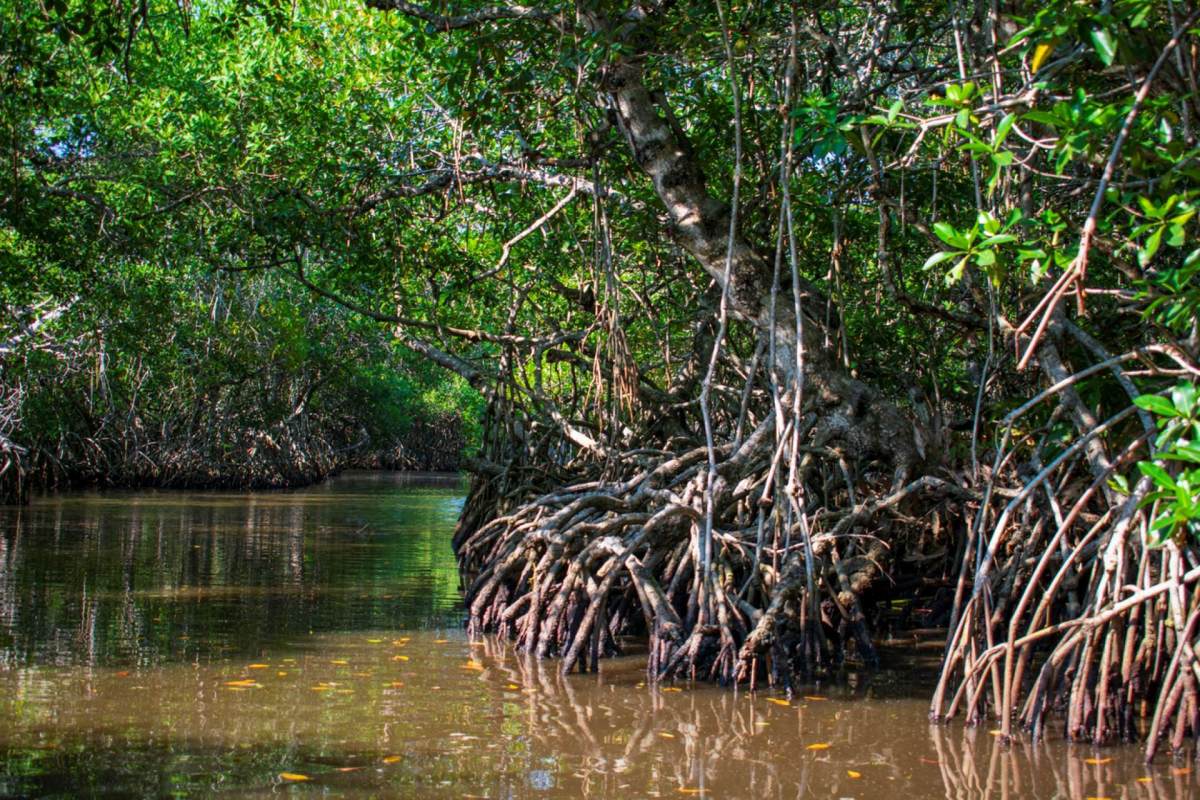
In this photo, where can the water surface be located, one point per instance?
(309, 644)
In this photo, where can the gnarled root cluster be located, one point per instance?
(787, 585)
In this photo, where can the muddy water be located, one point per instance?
(309, 644)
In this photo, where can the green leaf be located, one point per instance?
(938, 258)
(1146, 254)
(1157, 474)
(1183, 396)
(1105, 44)
(1155, 405)
(1003, 129)
(947, 233)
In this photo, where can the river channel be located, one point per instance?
(310, 644)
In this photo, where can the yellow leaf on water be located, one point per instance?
(473, 665)
(819, 746)
(672, 689)
(814, 697)
(688, 790)
(778, 702)
(281, 673)
(294, 776)
(348, 769)
(512, 686)
(374, 641)
(341, 662)
(441, 641)
(1144, 779)
(258, 666)
(1097, 761)
(666, 735)
(391, 759)
(399, 658)
(243, 684)
(996, 732)
(853, 773)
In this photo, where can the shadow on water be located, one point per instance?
(309, 643)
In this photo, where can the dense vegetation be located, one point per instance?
(792, 324)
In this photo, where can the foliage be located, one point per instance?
(1175, 470)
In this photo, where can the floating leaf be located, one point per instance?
(258, 666)
(374, 641)
(243, 684)
(816, 698)
(672, 689)
(1097, 761)
(778, 702)
(853, 773)
(348, 769)
(391, 759)
(473, 665)
(281, 673)
(441, 641)
(666, 735)
(688, 790)
(819, 746)
(399, 658)
(294, 776)
(341, 662)
(1145, 779)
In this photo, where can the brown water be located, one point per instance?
(309, 644)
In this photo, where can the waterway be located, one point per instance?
(310, 644)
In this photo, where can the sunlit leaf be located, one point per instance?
(666, 735)
(1105, 44)
(243, 684)
(819, 746)
(815, 697)
(853, 773)
(1097, 761)
(1040, 54)
(258, 666)
(778, 702)
(392, 759)
(294, 776)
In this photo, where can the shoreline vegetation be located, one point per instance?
(774, 329)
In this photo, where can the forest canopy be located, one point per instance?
(783, 326)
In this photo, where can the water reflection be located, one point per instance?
(149, 577)
(312, 647)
